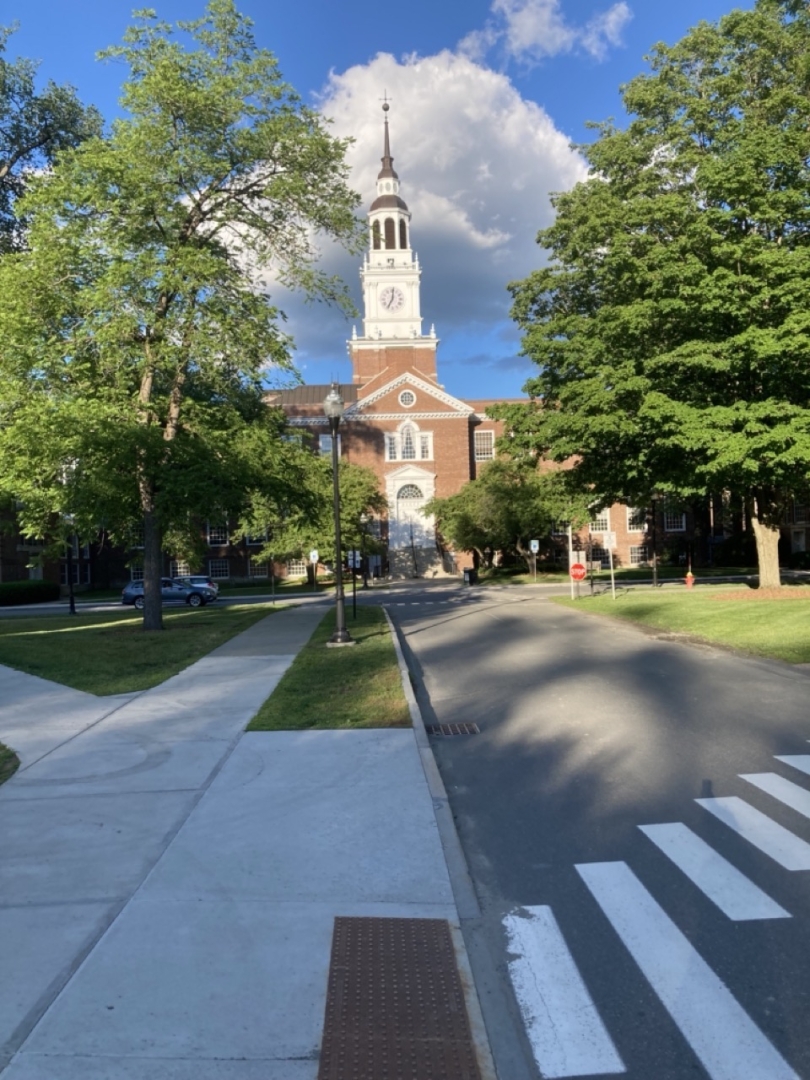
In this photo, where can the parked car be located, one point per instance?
(172, 591)
(200, 579)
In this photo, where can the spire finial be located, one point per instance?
(387, 171)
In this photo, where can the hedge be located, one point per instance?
(27, 592)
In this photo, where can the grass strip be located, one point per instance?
(109, 652)
(776, 629)
(9, 763)
(357, 686)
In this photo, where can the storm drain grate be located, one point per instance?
(452, 729)
(395, 1005)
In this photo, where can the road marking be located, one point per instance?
(736, 896)
(566, 1032)
(722, 1035)
(797, 798)
(758, 829)
(798, 761)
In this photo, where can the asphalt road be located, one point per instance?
(602, 949)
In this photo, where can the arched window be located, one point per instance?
(409, 491)
(403, 233)
(375, 235)
(390, 233)
(408, 444)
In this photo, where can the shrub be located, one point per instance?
(27, 592)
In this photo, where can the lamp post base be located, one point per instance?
(339, 638)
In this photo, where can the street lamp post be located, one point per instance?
(333, 409)
(363, 564)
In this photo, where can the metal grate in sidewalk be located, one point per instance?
(452, 729)
(395, 1004)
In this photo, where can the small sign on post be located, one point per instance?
(534, 547)
(609, 542)
(313, 558)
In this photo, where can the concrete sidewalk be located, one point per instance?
(168, 884)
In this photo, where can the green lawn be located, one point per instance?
(549, 575)
(778, 629)
(8, 763)
(109, 653)
(357, 686)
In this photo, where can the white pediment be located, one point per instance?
(419, 386)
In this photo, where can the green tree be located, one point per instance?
(34, 127)
(671, 326)
(137, 331)
(510, 503)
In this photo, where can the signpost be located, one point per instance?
(354, 558)
(534, 547)
(313, 558)
(609, 541)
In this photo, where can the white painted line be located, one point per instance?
(778, 843)
(797, 798)
(736, 896)
(798, 761)
(722, 1035)
(567, 1035)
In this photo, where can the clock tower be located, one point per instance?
(392, 339)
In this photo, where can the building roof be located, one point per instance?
(311, 394)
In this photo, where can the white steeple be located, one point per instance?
(390, 273)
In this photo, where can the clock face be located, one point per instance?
(392, 298)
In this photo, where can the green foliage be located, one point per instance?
(34, 127)
(138, 333)
(27, 592)
(510, 503)
(671, 328)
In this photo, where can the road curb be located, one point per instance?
(463, 890)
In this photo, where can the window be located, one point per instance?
(409, 444)
(390, 233)
(375, 235)
(136, 573)
(137, 538)
(559, 528)
(403, 233)
(258, 569)
(636, 519)
(601, 523)
(407, 398)
(800, 514)
(484, 445)
(217, 534)
(81, 573)
(409, 491)
(257, 539)
(325, 445)
(179, 568)
(674, 521)
(600, 555)
(638, 555)
(296, 568)
(219, 568)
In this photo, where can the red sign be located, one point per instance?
(578, 571)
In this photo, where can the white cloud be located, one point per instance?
(530, 30)
(476, 163)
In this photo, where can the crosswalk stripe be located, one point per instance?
(797, 798)
(722, 1035)
(798, 761)
(736, 896)
(778, 843)
(566, 1032)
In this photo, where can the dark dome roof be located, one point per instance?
(388, 202)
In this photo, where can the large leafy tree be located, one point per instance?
(136, 330)
(509, 504)
(34, 127)
(671, 326)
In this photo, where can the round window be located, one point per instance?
(407, 398)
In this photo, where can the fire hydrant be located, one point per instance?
(689, 580)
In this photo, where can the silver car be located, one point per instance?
(171, 591)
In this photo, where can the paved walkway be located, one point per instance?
(168, 884)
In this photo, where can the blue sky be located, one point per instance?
(487, 96)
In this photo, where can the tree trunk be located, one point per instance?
(152, 571)
(767, 538)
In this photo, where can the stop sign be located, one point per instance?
(578, 571)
